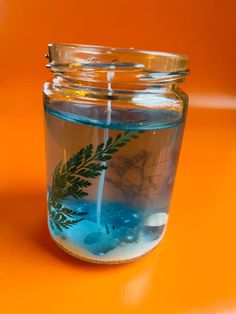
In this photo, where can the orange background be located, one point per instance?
(193, 271)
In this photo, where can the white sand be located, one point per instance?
(124, 252)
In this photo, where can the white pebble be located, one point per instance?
(156, 220)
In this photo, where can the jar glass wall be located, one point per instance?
(114, 126)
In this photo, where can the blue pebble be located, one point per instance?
(80, 231)
(103, 244)
(93, 238)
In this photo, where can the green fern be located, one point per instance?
(71, 178)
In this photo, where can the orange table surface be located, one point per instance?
(192, 271)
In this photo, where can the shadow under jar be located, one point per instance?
(114, 126)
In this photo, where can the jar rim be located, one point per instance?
(99, 47)
(153, 61)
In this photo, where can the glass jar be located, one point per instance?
(114, 126)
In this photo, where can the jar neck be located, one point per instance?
(122, 75)
(110, 90)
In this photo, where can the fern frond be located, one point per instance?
(72, 177)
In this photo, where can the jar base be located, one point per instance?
(104, 262)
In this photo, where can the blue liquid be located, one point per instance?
(136, 190)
